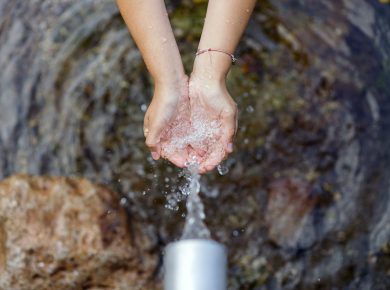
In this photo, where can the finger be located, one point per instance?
(146, 125)
(146, 132)
(227, 142)
(153, 142)
(178, 159)
(196, 152)
(216, 156)
(229, 121)
(200, 152)
(229, 147)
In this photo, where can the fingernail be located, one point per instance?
(155, 155)
(230, 147)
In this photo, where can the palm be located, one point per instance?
(174, 145)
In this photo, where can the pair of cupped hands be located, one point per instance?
(191, 119)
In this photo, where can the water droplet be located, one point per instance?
(144, 107)
(235, 233)
(123, 201)
(212, 193)
(222, 169)
(250, 109)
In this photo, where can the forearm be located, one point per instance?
(148, 23)
(225, 22)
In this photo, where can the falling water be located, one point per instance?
(195, 227)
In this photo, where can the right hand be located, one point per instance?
(169, 106)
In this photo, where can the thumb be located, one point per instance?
(153, 139)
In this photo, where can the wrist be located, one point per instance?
(172, 87)
(212, 65)
(170, 79)
(206, 86)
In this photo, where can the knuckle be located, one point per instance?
(228, 112)
(150, 142)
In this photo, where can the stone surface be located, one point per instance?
(66, 233)
(288, 212)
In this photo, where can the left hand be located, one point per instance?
(213, 109)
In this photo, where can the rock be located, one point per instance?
(288, 212)
(67, 233)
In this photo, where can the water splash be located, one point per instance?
(194, 227)
(222, 169)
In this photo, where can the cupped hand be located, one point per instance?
(167, 115)
(214, 117)
(191, 121)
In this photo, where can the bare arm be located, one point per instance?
(148, 23)
(224, 25)
(225, 22)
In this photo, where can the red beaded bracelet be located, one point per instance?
(200, 51)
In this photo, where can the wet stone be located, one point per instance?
(66, 233)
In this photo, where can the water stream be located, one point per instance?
(194, 227)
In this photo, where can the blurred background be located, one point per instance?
(304, 202)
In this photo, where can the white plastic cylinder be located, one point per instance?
(195, 265)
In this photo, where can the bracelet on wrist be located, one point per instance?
(201, 51)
